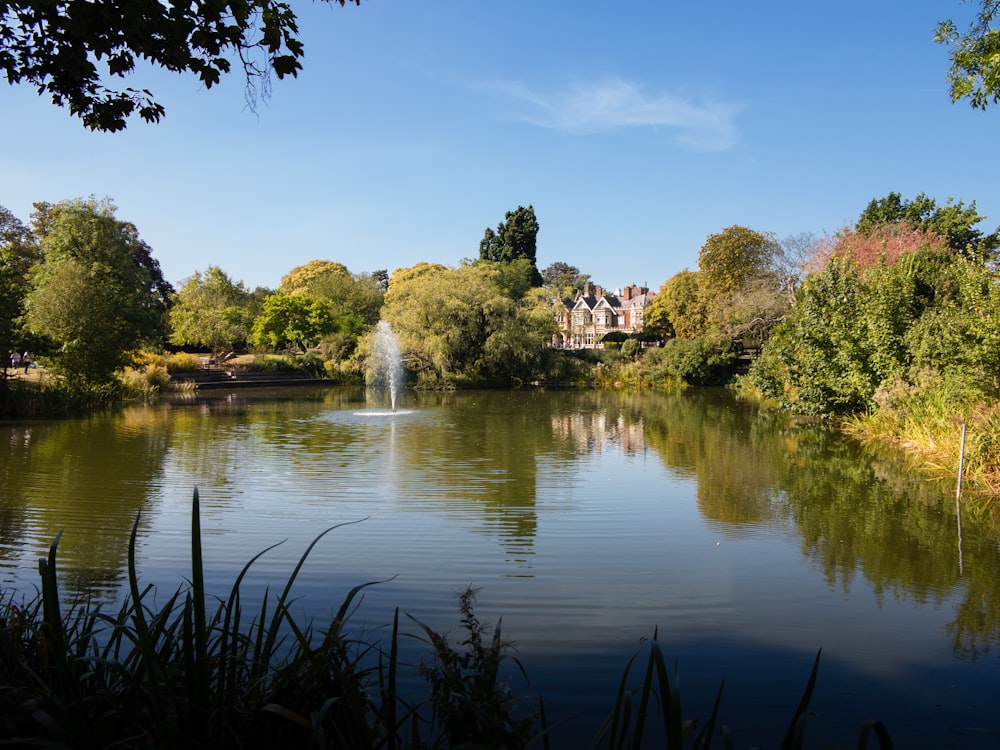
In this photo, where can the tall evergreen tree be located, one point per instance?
(515, 238)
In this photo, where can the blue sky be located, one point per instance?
(636, 130)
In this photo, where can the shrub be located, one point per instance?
(700, 361)
(183, 362)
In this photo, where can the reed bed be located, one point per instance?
(180, 675)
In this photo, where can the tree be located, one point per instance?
(211, 310)
(975, 56)
(515, 238)
(565, 280)
(733, 257)
(292, 320)
(740, 284)
(461, 326)
(18, 253)
(97, 292)
(855, 331)
(676, 309)
(358, 295)
(69, 49)
(955, 222)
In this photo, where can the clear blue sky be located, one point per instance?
(635, 130)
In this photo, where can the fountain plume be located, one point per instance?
(386, 368)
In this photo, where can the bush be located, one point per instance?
(183, 362)
(700, 361)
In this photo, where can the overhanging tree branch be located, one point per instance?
(70, 49)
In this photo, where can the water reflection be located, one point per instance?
(518, 474)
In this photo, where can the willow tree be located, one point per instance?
(462, 326)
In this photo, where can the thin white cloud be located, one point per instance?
(614, 104)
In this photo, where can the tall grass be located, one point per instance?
(180, 674)
(925, 418)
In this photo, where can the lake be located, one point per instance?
(588, 520)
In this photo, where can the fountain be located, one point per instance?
(386, 365)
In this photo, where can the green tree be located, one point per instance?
(740, 288)
(69, 50)
(729, 260)
(677, 309)
(213, 311)
(288, 320)
(357, 295)
(97, 292)
(955, 222)
(855, 331)
(565, 280)
(516, 237)
(18, 253)
(975, 56)
(460, 326)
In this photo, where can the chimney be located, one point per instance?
(628, 293)
(586, 289)
(598, 291)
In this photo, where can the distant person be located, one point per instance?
(15, 361)
(26, 361)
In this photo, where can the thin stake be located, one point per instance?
(958, 500)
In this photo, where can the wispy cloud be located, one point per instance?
(614, 104)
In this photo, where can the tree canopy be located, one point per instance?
(348, 294)
(212, 310)
(516, 237)
(975, 56)
(461, 326)
(97, 292)
(565, 280)
(18, 253)
(69, 50)
(955, 222)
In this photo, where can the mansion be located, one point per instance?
(595, 313)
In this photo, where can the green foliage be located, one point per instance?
(97, 291)
(309, 364)
(699, 361)
(565, 281)
(955, 222)
(211, 310)
(182, 362)
(18, 253)
(355, 295)
(53, 397)
(852, 333)
(729, 260)
(292, 321)
(677, 309)
(471, 704)
(57, 48)
(631, 348)
(975, 57)
(514, 239)
(461, 326)
(178, 673)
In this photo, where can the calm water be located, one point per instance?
(588, 520)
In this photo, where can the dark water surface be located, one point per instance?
(588, 520)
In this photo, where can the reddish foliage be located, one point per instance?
(882, 246)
